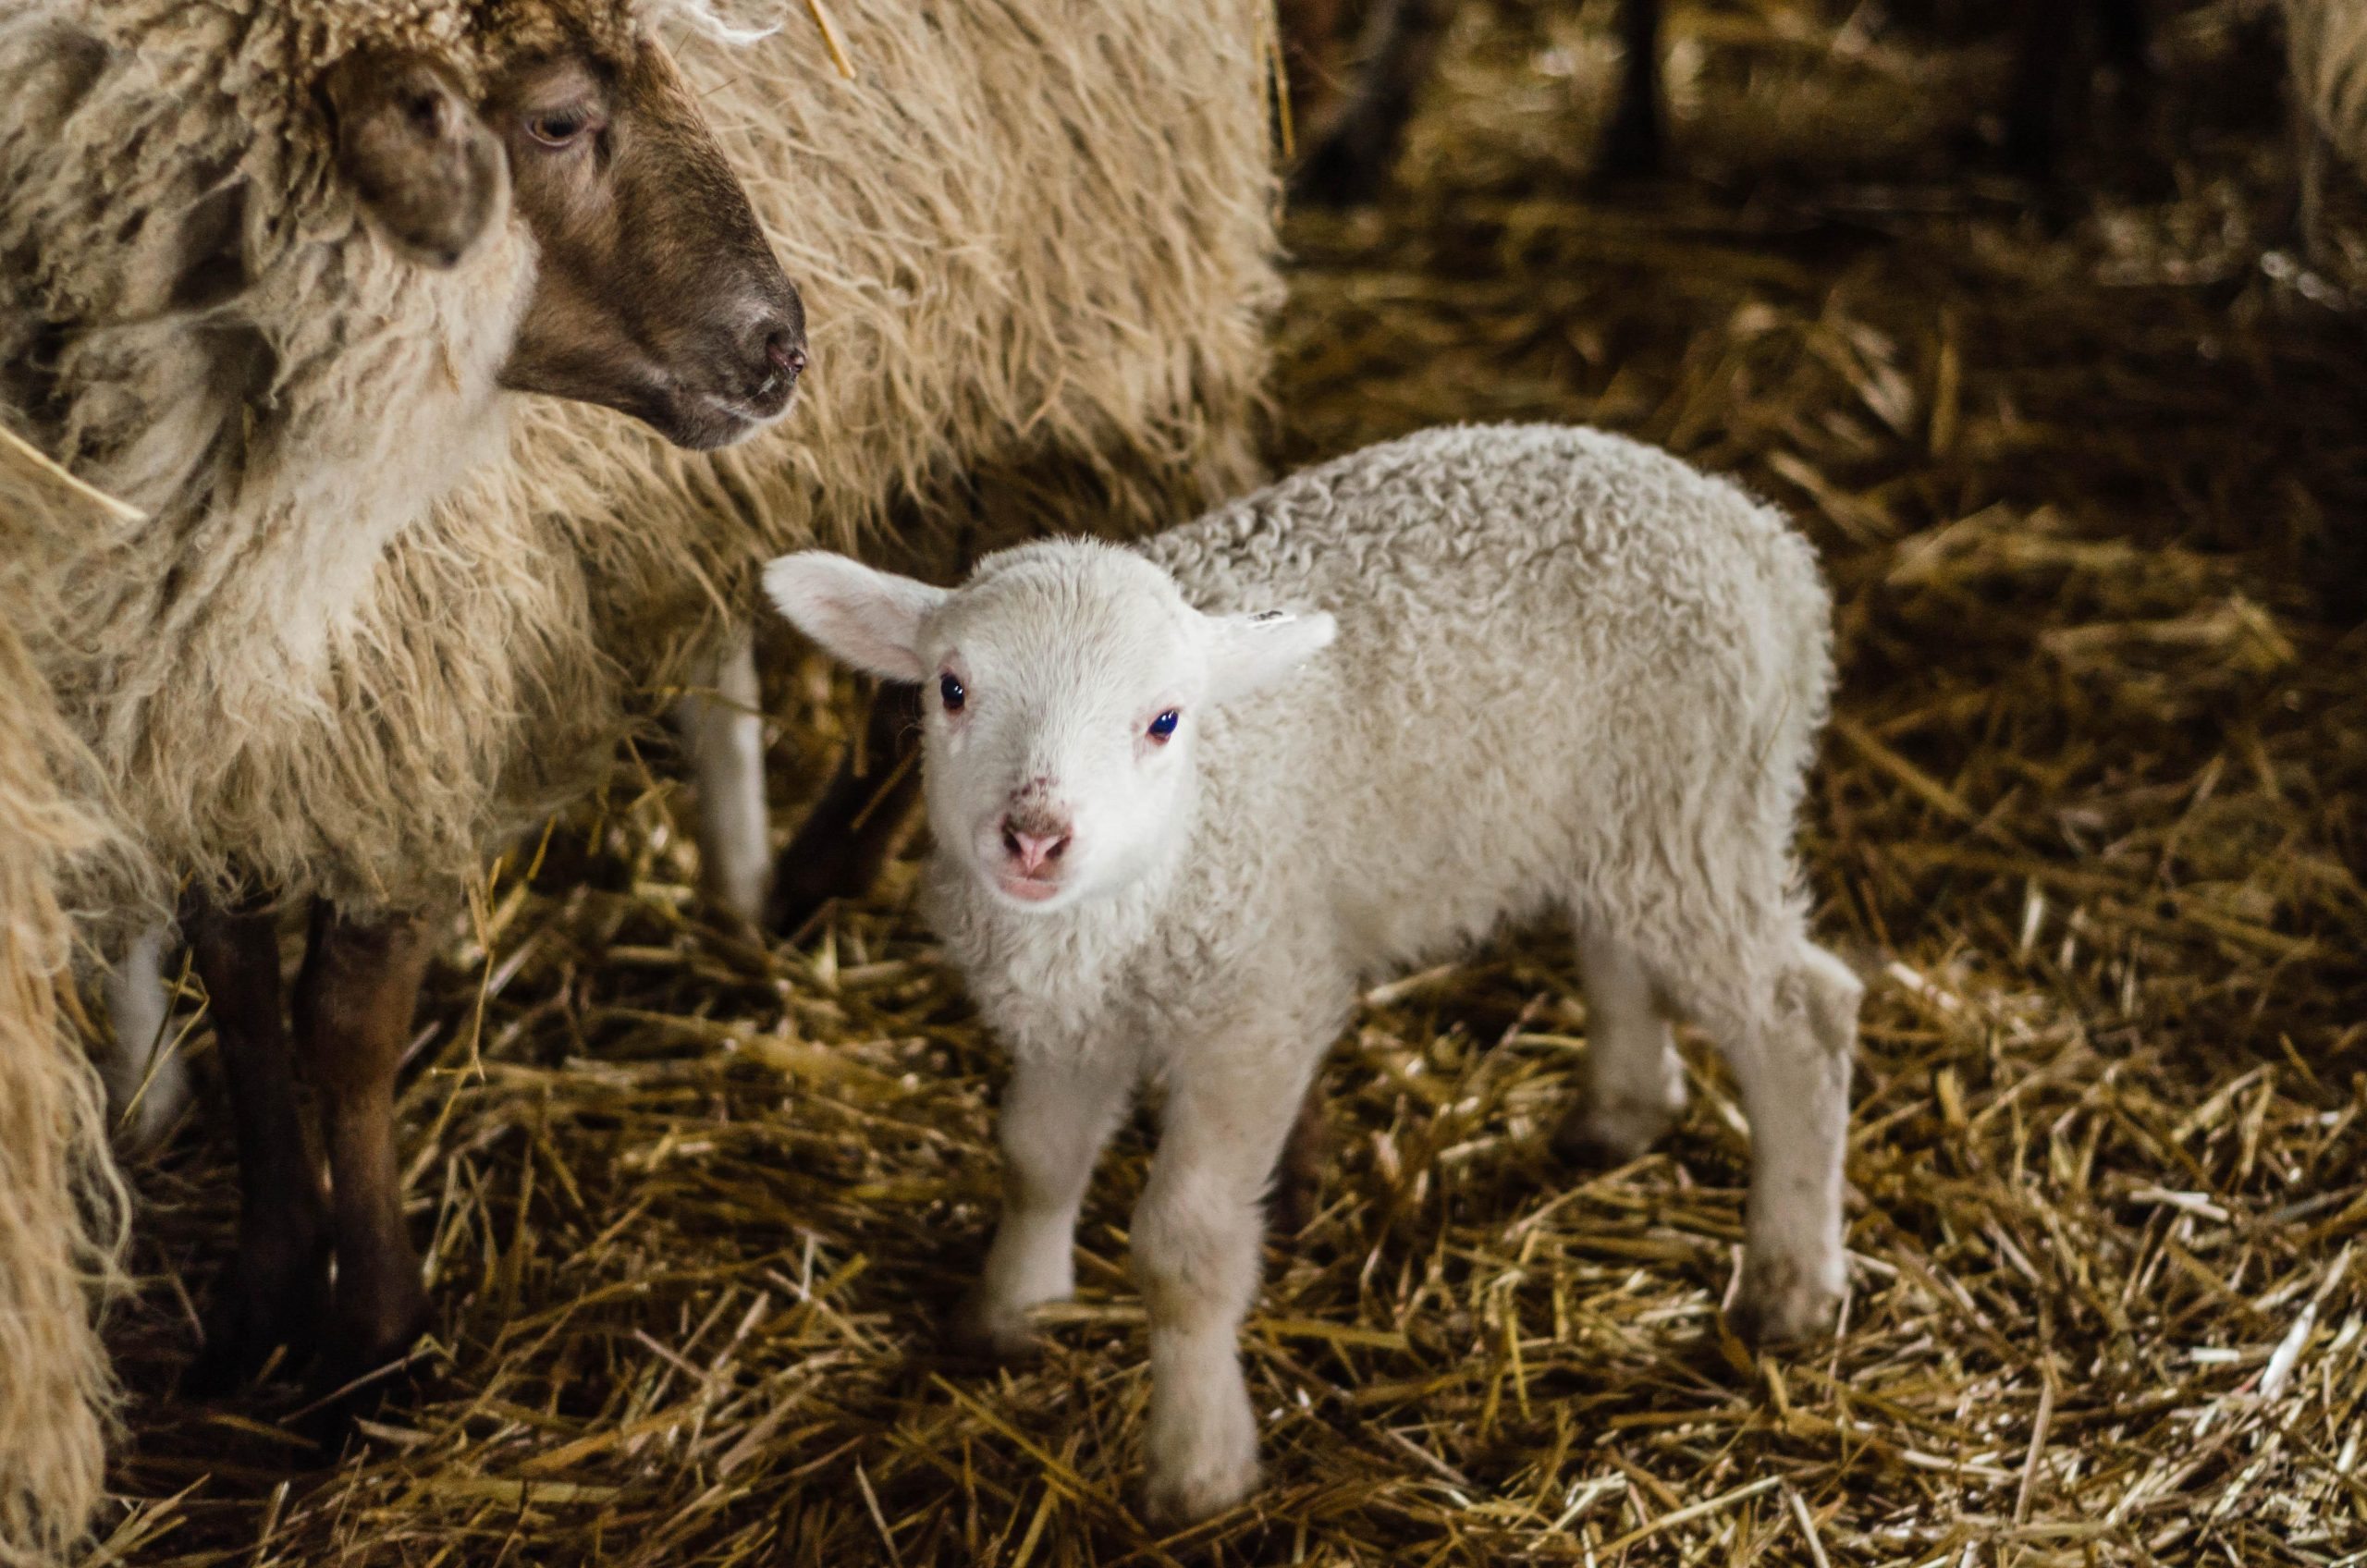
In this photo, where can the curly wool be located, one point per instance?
(1585, 634)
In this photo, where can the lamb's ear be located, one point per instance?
(420, 160)
(1249, 652)
(870, 620)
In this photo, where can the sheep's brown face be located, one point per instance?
(657, 293)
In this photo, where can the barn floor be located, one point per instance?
(2089, 479)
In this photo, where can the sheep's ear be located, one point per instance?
(870, 620)
(1248, 652)
(424, 166)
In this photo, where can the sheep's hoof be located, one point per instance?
(272, 1296)
(1782, 1303)
(979, 1333)
(1603, 1137)
(367, 1363)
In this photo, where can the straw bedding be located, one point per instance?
(2088, 493)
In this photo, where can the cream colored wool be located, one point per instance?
(61, 1208)
(1034, 235)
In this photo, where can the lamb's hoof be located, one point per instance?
(1202, 1467)
(1781, 1303)
(1603, 1137)
(997, 1335)
(1179, 1498)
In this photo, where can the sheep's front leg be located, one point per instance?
(723, 732)
(354, 1003)
(1055, 1117)
(1197, 1235)
(271, 1293)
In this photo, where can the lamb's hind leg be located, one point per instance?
(354, 1006)
(1634, 1080)
(146, 1080)
(1792, 1056)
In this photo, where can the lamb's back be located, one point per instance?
(1541, 629)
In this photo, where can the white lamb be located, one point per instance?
(1566, 673)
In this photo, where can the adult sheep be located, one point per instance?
(1036, 239)
(264, 276)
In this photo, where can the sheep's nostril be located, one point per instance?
(785, 353)
(1057, 847)
(1010, 842)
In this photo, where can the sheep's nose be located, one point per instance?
(780, 358)
(785, 352)
(1035, 844)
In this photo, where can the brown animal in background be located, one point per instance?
(1356, 108)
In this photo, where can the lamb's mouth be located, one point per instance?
(1027, 890)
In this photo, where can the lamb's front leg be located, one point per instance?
(1056, 1116)
(1197, 1235)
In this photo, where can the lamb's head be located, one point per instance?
(656, 292)
(1065, 684)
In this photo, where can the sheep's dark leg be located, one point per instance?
(2049, 35)
(353, 1011)
(2120, 26)
(2053, 67)
(272, 1292)
(1634, 143)
(1348, 162)
(844, 842)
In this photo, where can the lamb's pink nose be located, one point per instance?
(1035, 845)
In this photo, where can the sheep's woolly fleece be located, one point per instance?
(1035, 240)
(60, 1206)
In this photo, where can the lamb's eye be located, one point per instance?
(950, 691)
(1164, 726)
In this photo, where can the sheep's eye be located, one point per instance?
(559, 127)
(950, 691)
(1164, 726)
